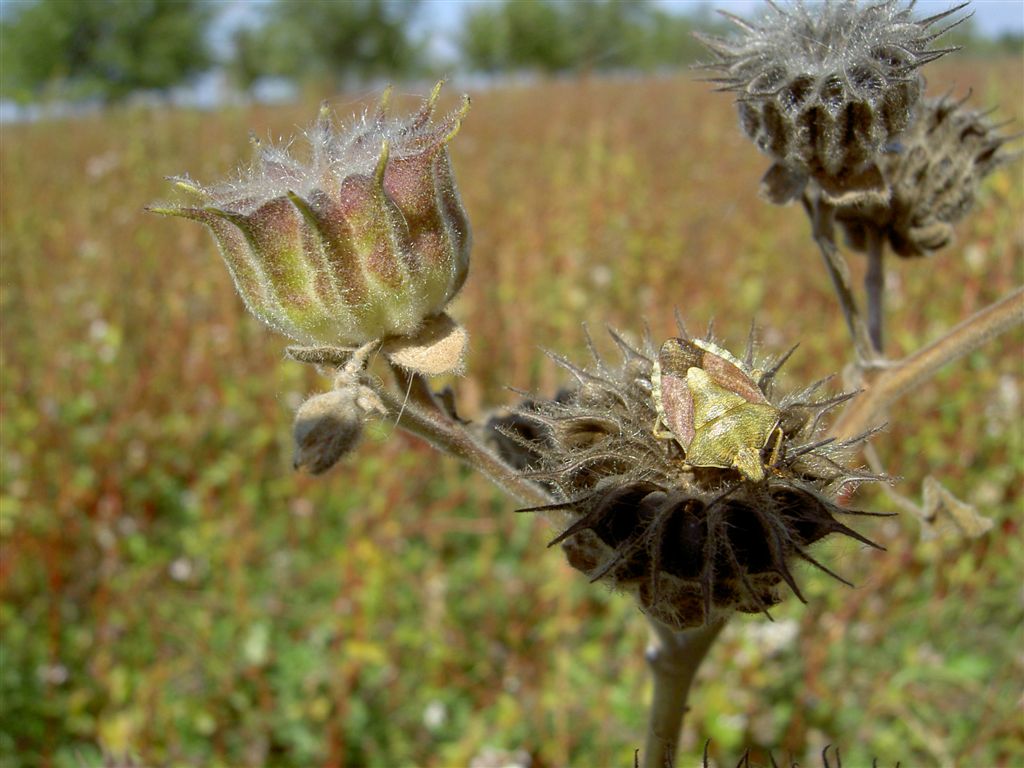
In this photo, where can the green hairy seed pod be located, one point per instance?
(366, 240)
(822, 87)
(933, 176)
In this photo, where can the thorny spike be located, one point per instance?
(381, 113)
(591, 347)
(680, 325)
(769, 374)
(827, 406)
(628, 351)
(189, 186)
(734, 561)
(185, 213)
(434, 94)
(304, 208)
(748, 354)
(740, 22)
(863, 436)
(382, 163)
(551, 507)
(235, 218)
(801, 552)
(647, 337)
(620, 554)
(864, 513)
(804, 450)
(925, 23)
(578, 373)
(814, 387)
(846, 530)
(717, 44)
(457, 119)
(778, 556)
(937, 53)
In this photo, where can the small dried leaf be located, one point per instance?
(437, 349)
(782, 185)
(940, 506)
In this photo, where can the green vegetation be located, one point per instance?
(101, 48)
(557, 36)
(170, 587)
(328, 41)
(107, 49)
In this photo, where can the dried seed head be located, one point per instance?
(822, 87)
(692, 539)
(933, 175)
(329, 425)
(364, 241)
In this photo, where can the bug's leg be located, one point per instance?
(774, 447)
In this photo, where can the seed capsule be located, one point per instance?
(365, 241)
(823, 87)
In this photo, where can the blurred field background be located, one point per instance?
(173, 590)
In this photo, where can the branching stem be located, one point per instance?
(893, 382)
(874, 287)
(419, 414)
(822, 216)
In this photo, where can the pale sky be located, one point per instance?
(442, 18)
(992, 16)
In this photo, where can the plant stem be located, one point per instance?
(890, 384)
(419, 414)
(821, 214)
(874, 287)
(673, 658)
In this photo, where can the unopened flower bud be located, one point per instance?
(822, 87)
(328, 426)
(364, 241)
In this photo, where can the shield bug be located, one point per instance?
(712, 406)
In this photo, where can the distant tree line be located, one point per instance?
(107, 49)
(100, 48)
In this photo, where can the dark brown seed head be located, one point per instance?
(933, 174)
(822, 87)
(690, 542)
